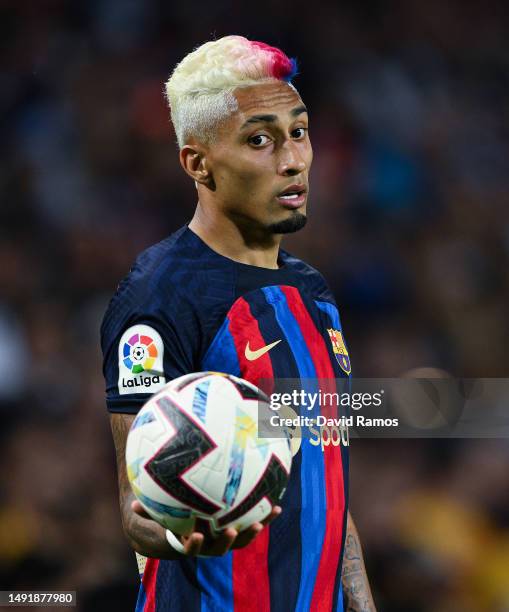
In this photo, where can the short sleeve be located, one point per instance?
(140, 360)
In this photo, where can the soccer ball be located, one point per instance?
(193, 454)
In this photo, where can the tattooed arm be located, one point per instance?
(144, 535)
(356, 591)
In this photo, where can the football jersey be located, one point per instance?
(185, 308)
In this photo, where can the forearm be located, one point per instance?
(356, 590)
(144, 535)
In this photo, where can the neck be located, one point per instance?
(230, 239)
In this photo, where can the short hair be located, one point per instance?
(200, 89)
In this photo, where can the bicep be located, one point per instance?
(120, 426)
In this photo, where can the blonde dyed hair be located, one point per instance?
(200, 89)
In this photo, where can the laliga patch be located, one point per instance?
(339, 348)
(140, 361)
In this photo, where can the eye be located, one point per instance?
(259, 140)
(299, 132)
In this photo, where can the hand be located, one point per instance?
(200, 543)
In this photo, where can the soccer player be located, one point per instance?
(221, 295)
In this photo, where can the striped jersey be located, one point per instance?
(184, 308)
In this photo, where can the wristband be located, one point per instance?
(174, 542)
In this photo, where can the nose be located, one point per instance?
(290, 160)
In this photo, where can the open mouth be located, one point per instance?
(293, 196)
(292, 192)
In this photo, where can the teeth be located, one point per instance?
(290, 196)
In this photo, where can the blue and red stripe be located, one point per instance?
(312, 518)
(142, 597)
(334, 484)
(334, 321)
(285, 549)
(251, 589)
(215, 576)
(148, 587)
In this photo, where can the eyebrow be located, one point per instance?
(295, 112)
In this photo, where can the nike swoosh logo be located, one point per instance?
(252, 355)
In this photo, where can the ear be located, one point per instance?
(194, 160)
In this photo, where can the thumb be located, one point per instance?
(139, 509)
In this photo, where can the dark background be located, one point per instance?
(408, 221)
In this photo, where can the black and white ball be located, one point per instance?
(193, 453)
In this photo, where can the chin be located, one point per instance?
(290, 225)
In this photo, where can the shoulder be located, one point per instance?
(169, 284)
(142, 290)
(312, 280)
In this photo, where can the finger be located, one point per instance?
(247, 536)
(220, 545)
(139, 509)
(276, 511)
(193, 544)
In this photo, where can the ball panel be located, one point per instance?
(257, 514)
(270, 485)
(170, 462)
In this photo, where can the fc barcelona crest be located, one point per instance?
(339, 348)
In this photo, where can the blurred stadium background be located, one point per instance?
(409, 222)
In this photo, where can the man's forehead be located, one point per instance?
(276, 96)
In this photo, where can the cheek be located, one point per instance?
(247, 176)
(307, 154)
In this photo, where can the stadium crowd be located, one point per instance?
(409, 223)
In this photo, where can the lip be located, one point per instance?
(294, 202)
